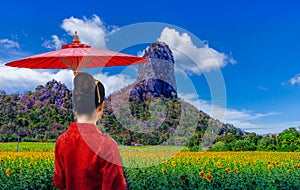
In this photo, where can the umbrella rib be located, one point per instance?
(108, 61)
(99, 59)
(50, 62)
(24, 64)
(67, 63)
(60, 66)
(122, 60)
(115, 60)
(30, 63)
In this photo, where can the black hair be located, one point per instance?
(88, 94)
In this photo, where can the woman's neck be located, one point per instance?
(85, 119)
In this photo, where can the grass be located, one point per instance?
(49, 146)
(28, 146)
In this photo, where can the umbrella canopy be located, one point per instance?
(77, 56)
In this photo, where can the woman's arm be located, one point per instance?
(59, 173)
(111, 169)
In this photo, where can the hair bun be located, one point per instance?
(87, 96)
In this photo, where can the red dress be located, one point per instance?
(87, 159)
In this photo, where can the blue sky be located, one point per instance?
(257, 44)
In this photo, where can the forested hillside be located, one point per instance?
(36, 116)
(42, 115)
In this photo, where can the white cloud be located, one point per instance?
(295, 80)
(232, 115)
(91, 31)
(9, 44)
(206, 58)
(113, 83)
(243, 119)
(263, 88)
(55, 43)
(18, 80)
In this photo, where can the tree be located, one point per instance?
(268, 143)
(243, 145)
(219, 146)
(288, 140)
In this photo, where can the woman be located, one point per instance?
(84, 157)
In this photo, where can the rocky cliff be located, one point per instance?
(150, 112)
(161, 65)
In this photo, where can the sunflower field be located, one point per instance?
(163, 168)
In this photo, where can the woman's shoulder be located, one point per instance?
(109, 141)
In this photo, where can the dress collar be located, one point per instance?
(85, 127)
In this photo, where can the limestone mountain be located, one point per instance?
(149, 111)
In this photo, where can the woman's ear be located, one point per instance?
(76, 115)
(100, 111)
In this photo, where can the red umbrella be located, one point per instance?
(77, 56)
